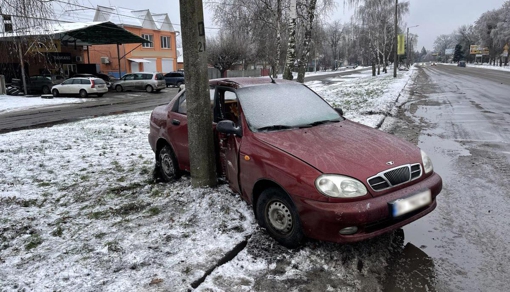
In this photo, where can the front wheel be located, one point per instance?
(55, 92)
(167, 164)
(83, 93)
(118, 88)
(276, 213)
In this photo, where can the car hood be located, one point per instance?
(346, 148)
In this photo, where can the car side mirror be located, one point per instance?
(339, 111)
(228, 127)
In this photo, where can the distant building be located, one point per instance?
(160, 56)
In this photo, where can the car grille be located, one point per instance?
(394, 177)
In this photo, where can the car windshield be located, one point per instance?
(284, 106)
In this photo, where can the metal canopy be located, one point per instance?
(139, 60)
(103, 34)
(82, 34)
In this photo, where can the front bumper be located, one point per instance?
(323, 221)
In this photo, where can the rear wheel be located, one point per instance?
(276, 213)
(118, 88)
(178, 84)
(149, 89)
(55, 92)
(167, 164)
(46, 90)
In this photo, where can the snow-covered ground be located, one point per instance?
(82, 211)
(10, 103)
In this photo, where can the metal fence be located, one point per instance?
(215, 73)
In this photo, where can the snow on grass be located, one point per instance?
(363, 98)
(82, 211)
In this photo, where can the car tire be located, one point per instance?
(55, 92)
(167, 166)
(149, 89)
(277, 214)
(118, 88)
(83, 93)
(46, 90)
(100, 95)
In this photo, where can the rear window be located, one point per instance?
(160, 76)
(99, 81)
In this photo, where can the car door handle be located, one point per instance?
(176, 122)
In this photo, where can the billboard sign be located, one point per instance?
(401, 48)
(475, 49)
(478, 50)
(449, 51)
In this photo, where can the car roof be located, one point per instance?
(239, 82)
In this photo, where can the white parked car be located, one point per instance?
(82, 86)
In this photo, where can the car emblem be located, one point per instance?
(390, 163)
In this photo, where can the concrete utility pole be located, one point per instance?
(395, 62)
(200, 134)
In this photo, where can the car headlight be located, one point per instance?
(427, 163)
(338, 186)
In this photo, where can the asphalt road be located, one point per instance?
(463, 117)
(110, 103)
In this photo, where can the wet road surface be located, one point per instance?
(111, 103)
(464, 116)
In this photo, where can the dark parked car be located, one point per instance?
(306, 170)
(35, 84)
(174, 79)
(462, 64)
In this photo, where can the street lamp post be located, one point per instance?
(407, 45)
(395, 62)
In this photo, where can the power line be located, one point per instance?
(118, 14)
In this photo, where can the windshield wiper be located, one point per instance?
(275, 128)
(319, 123)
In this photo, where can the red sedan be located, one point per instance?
(305, 169)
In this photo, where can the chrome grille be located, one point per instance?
(394, 177)
(398, 176)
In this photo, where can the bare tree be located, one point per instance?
(225, 50)
(261, 21)
(442, 43)
(484, 29)
(26, 22)
(334, 37)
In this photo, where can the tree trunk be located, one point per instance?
(291, 48)
(278, 37)
(305, 57)
(200, 134)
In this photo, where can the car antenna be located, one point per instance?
(272, 80)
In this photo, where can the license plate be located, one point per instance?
(405, 205)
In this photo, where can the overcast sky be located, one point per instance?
(434, 17)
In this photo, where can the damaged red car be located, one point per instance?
(306, 170)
